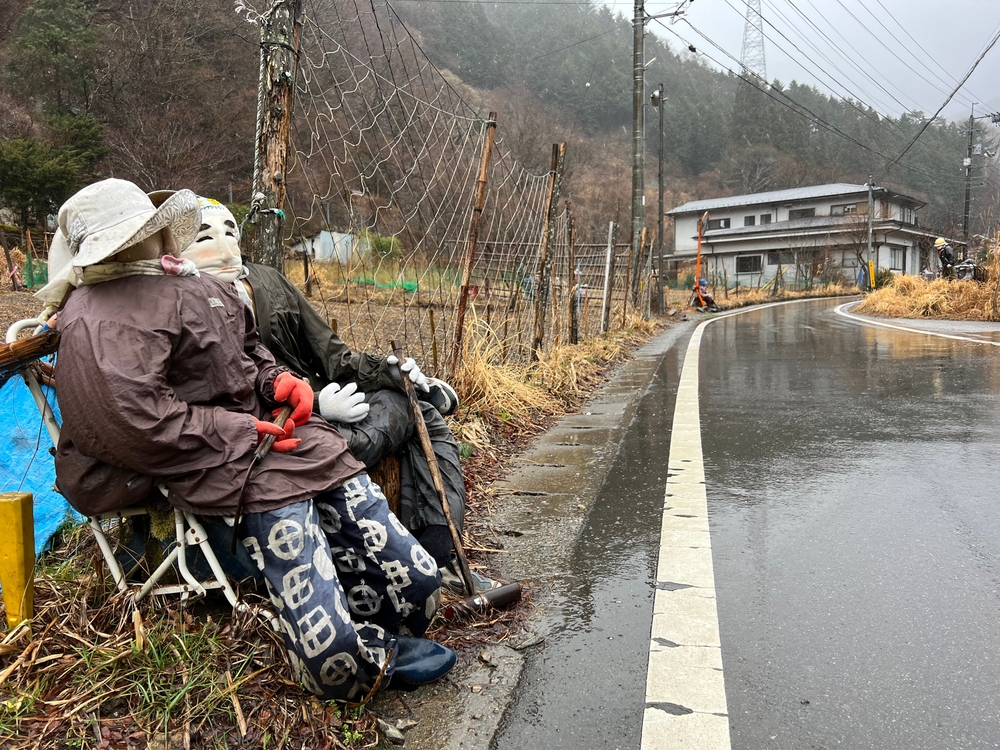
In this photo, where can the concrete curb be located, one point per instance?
(544, 502)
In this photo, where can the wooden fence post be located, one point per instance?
(574, 281)
(609, 267)
(470, 250)
(548, 240)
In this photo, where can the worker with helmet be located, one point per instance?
(946, 256)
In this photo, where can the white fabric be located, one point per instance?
(216, 247)
(410, 367)
(344, 405)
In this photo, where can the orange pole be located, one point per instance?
(697, 266)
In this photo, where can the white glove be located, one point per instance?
(410, 367)
(345, 405)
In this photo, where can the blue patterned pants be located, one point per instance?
(345, 577)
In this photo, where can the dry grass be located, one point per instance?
(747, 297)
(913, 297)
(94, 669)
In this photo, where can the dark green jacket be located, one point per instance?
(299, 338)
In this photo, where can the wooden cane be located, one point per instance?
(425, 443)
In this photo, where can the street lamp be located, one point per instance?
(657, 99)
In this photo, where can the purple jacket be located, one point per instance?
(160, 376)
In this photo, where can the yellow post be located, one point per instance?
(871, 273)
(17, 555)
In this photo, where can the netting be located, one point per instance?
(382, 179)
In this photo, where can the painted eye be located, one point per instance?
(204, 239)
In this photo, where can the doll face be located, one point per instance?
(216, 249)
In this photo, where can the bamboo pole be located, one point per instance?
(470, 251)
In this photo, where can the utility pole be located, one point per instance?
(869, 270)
(638, 129)
(639, 20)
(658, 101)
(968, 178)
(280, 28)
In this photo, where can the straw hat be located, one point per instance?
(107, 217)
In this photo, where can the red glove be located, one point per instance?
(297, 392)
(285, 442)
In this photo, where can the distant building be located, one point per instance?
(331, 247)
(804, 233)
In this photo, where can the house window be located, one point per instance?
(748, 264)
(907, 215)
(765, 218)
(781, 258)
(897, 260)
(718, 224)
(885, 210)
(749, 221)
(845, 208)
(801, 213)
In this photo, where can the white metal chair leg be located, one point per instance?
(199, 537)
(109, 556)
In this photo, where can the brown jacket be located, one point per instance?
(159, 376)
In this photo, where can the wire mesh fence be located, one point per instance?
(382, 179)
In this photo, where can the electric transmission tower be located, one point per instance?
(752, 58)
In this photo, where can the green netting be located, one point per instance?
(407, 286)
(35, 274)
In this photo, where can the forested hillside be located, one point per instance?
(163, 92)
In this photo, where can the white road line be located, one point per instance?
(685, 691)
(840, 310)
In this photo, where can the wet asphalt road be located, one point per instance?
(852, 483)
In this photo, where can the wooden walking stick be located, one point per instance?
(425, 443)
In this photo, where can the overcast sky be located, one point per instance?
(895, 55)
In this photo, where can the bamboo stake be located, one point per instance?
(470, 251)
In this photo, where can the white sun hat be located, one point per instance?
(107, 217)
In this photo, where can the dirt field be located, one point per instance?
(15, 306)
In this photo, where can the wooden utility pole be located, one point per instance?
(280, 29)
(548, 241)
(470, 250)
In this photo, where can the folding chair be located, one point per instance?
(23, 356)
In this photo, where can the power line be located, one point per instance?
(812, 117)
(961, 83)
(923, 47)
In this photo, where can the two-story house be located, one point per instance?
(803, 234)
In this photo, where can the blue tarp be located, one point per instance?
(25, 461)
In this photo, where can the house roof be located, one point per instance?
(811, 192)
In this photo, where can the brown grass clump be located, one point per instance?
(913, 297)
(95, 669)
(486, 384)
